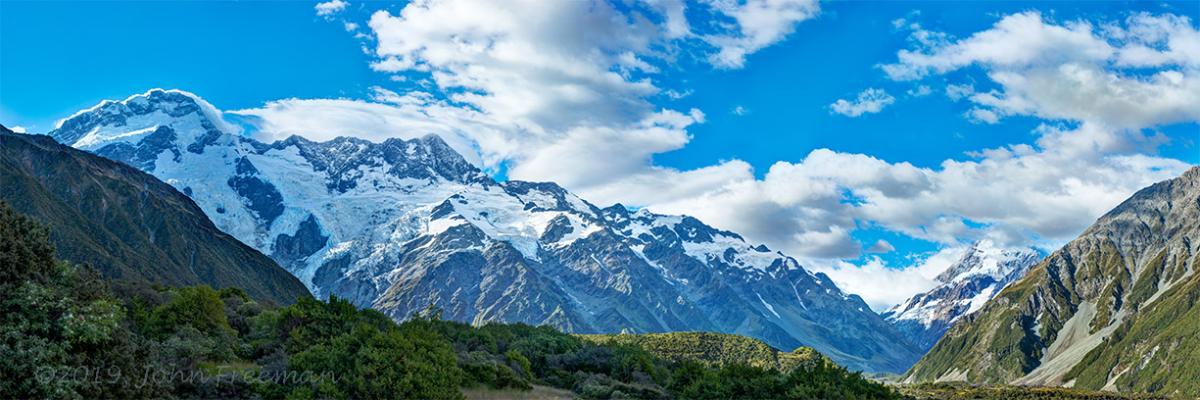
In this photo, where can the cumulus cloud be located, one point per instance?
(870, 101)
(549, 65)
(561, 64)
(329, 8)
(759, 23)
(1017, 193)
(18, 129)
(1072, 71)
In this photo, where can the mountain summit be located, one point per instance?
(981, 273)
(405, 224)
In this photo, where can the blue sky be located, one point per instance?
(270, 59)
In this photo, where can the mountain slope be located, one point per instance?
(1115, 308)
(405, 224)
(981, 273)
(128, 224)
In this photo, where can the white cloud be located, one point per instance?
(329, 8)
(739, 111)
(870, 101)
(1017, 40)
(982, 116)
(1081, 92)
(882, 285)
(760, 23)
(1072, 71)
(959, 92)
(601, 154)
(1015, 195)
(550, 65)
(881, 246)
(18, 129)
(920, 91)
(676, 95)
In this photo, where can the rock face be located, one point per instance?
(1116, 308)
(128, 224)
(405, 224)
(981, 273)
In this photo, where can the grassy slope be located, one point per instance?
(713, 349)
(128, 224)
(1158, 352)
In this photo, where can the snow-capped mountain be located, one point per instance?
(405, 224)
(982, 271)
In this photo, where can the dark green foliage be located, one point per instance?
(196, 307)
(361, 353)
(25, 250)
(61, 336)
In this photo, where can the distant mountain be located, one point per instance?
(128, 224)
(405, 224)
(1118, 308)
(980, 274)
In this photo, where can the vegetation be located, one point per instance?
(66, 333)
(714, 349)
(1157, 352)
(958, 391)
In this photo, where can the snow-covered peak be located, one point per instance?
(353, 164)
(979, 275)
(710, 246)
(984, 257)
(189, 119)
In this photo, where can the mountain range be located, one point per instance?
(127, 224)
(980, 274)
(403, 225)
(1117, 308)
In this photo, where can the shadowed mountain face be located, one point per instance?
(1117, 308)
(128, 224)
(405, 224)
(980, 274)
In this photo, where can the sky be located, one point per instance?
(871, 140)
